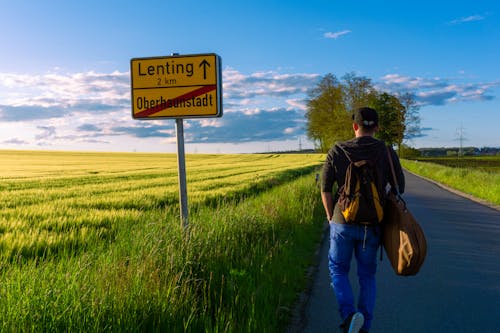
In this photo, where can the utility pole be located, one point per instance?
(461, 138)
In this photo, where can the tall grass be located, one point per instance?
(105, 252)
(481, 184)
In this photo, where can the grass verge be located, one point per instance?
(480, 184)
(239, 268)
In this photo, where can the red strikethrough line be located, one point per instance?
(161, 107)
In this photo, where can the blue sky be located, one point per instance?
(65, 81)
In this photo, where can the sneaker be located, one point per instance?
(357, 322)
(345, 324)
(353, 323)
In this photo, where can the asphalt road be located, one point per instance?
(457, 289)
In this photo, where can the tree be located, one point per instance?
(358, 91)
(409, 152)
(330, 107)
(326, 114)
(411, 117)
(332, 102)
(391, 118)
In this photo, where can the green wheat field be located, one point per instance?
(92, 241)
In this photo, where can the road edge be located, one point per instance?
(297, 321)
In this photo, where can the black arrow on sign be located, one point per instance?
(204, 63)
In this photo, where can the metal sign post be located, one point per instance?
(177, 87)
(181, 163)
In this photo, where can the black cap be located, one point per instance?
(365, 117)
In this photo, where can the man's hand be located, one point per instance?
(328, 204)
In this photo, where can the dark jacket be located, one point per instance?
(361, 148)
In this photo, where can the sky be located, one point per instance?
(65, 69)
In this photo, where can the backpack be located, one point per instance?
(360, 200)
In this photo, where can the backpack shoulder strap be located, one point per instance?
(345, 152)
(394, 178)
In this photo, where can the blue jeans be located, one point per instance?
(363, 241)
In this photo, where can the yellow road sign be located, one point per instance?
(186, 86)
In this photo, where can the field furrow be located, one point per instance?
(47, 196)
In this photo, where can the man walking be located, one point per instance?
(362, 239)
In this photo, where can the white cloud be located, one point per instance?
(335, 35)
(466, 19)
(54, 94)
(251, 112)
(210, 122)
(438, 91)
(73, 109)
(237, 86)
(15, 141)
(407, 82)
(297, 103)
(91, 107)
(48, 132)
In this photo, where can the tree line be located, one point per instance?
(332, 101)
